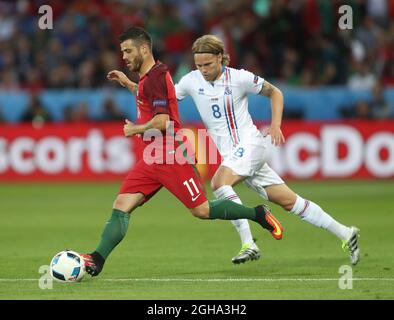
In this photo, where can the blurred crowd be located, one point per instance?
(290, 42)
(37, 114)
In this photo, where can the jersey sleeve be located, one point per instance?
(182, 88)
(250, 82)
(157, 93)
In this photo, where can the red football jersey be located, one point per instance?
(156, 94)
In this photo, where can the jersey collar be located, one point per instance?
(158, 63)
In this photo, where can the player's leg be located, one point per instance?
(114, 231)
(136, 189)
(222, 185)
(312, 213)
(305, 209)
(116, 227)
(240, 163)
(228, 210)
(185, 183)
(270, 186)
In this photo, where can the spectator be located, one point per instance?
(1, 115)
(362, 110)
(380, 108)
(68, 114)
(7, 22)
(86, 74)
(35, 113)
(388, 78)
(76, 113)
(363, 79)
(34, 83)
(80, 113)
(111, 111)
(263, 34)
(9, 80)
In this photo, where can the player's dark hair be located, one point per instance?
(138, 35)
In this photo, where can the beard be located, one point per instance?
(136, 63)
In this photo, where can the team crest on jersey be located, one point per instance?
(227, 91)
(201, 91)
(256, 79)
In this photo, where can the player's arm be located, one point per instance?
(182, 88)
(159, 122)
(276, 97)
(123, 80)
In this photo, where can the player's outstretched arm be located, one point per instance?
(159, 122)
(123, 80)
(276, 96)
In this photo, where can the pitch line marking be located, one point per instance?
(239, 279)
(216, 280)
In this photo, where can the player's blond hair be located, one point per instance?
(211, 44)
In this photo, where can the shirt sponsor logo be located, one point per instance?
(159, 103)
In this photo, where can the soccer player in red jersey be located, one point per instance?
(157, 111)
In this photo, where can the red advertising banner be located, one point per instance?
(352, 149)
(99, 151)
(61, 152)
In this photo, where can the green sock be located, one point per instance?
(113, 233)
(229, 210)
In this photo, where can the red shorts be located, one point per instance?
(182, 180)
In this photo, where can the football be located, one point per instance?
(67, 266)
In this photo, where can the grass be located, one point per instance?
(168, 254)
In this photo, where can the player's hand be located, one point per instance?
(129, 129)
(119, 76)
(277, 138)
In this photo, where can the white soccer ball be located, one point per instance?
(67, 266)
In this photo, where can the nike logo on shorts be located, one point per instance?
(195, 198)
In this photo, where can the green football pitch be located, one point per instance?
(169, 254)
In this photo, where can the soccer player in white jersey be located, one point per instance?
(220, 94)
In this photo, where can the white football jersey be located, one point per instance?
(223, 104)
